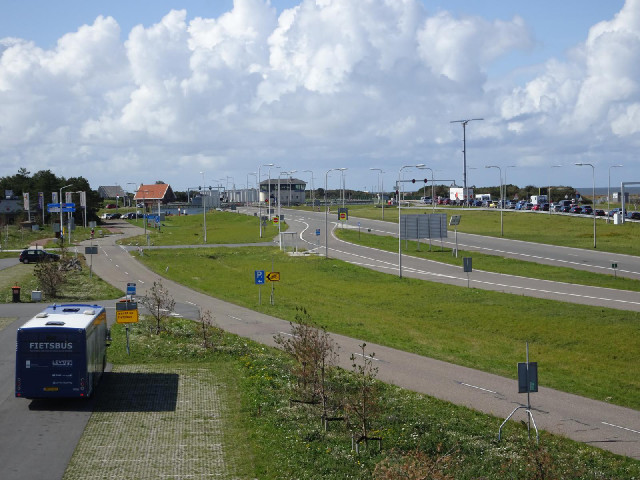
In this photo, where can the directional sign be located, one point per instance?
(273, 276)
(131, 288)
(259, 277)
(126, 312)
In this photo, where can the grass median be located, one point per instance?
(176, 409)
(555, 229)
(222, 228)
(585, 350)
(489, 263)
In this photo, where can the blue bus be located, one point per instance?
(61, 352)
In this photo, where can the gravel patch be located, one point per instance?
(154, 422)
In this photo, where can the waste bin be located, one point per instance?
(16, 293)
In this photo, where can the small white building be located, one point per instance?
(290, 191)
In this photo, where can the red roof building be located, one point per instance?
(152, 194)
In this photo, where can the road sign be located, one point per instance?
(317, 232)
(126, 312)
(454, 220)
(614, 265)
(90, 250)
(131, 288)
(273, 276)
(527, 377)
(275, 220)
(259, 277)
(466, 262)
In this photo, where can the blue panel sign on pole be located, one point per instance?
(260, 277)
(131, 288)
(317, 232)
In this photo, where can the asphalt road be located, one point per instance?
(38, 436)
(607, 426)
(305, 225)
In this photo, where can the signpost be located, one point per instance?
(615, 269)
(527, 383)
(127, 312)
(467, 266)
(92, 250)
(455, 221)
(259, 278)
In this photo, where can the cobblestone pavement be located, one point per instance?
(154, 422)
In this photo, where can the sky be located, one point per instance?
(193, 92)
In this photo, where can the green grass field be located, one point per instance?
(224, 411)
(475, 328)
(222, 228)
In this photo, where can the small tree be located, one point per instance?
(209, 329)
(315, 353)
(50, 277)
(362, 401)
(159, 303)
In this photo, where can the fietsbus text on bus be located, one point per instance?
(61, 352)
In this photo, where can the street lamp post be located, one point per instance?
(204, 211)
(549, 191)
(501, 200)
(311, 193)
(342, 183)
(433, 204)
(464, 150)
(380, 188)
(505, 182)
(61, 219)
(259, 190)
(326, 213)
(593, 210)
(420, 165)
(609, 191)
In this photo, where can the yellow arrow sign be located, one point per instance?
(273, 276)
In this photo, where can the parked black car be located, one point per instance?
(33, 255)
(587, 210)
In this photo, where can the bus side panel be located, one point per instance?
(51, 362)
(96, 350)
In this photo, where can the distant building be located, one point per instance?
(11, 211)
(151, 195)
(617, 196)
(111, 192)
(292, 190)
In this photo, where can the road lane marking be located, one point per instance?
(618, 426)
(478, 388)
(368, 357)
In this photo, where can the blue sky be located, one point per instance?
(549, 94)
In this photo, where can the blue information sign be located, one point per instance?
(259, 276)
(131, 288)
(317, 232)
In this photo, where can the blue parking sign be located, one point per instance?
(259, 276)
